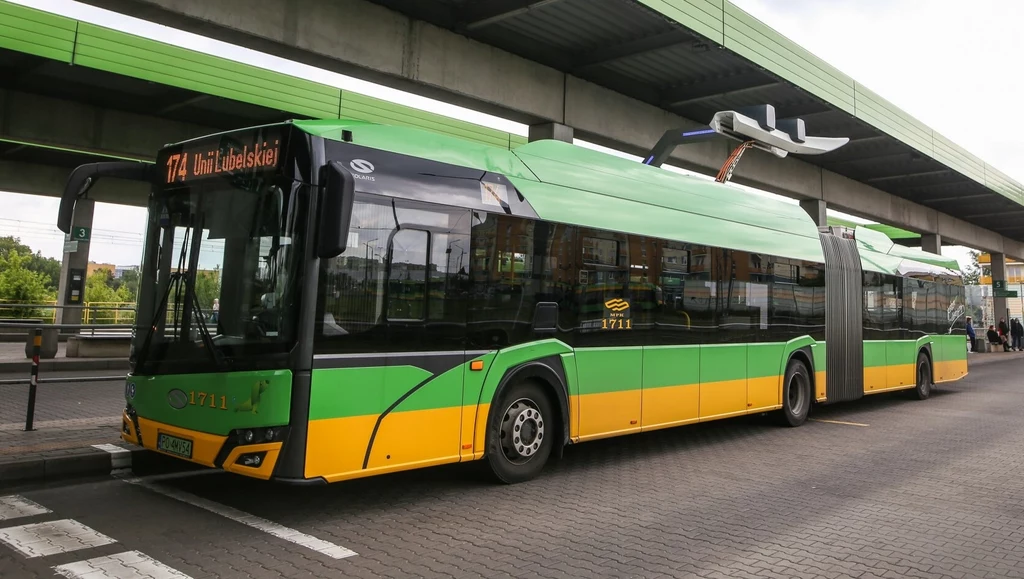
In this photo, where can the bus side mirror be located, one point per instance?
(335, 210)
(85, 176)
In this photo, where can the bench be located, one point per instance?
(989, 347)
(99, 346)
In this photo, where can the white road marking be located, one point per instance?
(53, 537)
(127, 565)
(837, 422)
(16, 507)
(120, 458)
(280, 531)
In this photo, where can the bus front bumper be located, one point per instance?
(211, 450)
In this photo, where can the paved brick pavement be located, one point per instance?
(69, 418)
(923, 489)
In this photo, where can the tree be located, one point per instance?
(20, 285)
(47, 266)
(207, 288)
(972, 273)
(130, 281)
(99, 290)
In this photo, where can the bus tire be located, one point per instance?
(796, 394)
(522, 433)
(924, 377)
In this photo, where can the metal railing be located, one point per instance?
(92, 312)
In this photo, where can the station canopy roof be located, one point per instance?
(638, 48)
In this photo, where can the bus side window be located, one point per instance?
(407, 275)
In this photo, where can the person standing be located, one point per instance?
(1016, 335)
(969, 324)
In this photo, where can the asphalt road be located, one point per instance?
(884, 487)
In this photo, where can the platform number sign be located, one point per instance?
(79, 234)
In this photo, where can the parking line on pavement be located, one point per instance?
(837, 422)
(280, 531)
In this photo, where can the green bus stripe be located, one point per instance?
(345, 392)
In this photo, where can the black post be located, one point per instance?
(37, 342)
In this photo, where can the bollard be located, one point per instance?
(37, 343)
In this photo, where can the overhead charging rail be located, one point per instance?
(755, 128)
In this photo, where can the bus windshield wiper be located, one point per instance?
(161, 309)
(204, 332)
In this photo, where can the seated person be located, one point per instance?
(995, 338)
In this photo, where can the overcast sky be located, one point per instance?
(950, 65)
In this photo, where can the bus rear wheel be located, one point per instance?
(521, 433)
(796, 394)
(924, 377)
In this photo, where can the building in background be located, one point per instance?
(982, 293)
(120, 270)
(93, 267)
(1014, 270)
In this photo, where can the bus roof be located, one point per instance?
(571, 184)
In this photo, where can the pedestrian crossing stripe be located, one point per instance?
(17, 507)
(52, 538)
(127, 565)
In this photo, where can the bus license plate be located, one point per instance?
(174, 445)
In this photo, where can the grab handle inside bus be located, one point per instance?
(335, 210)
(85, 176)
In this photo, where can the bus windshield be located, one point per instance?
(226, 259)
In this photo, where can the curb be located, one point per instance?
(89, 462)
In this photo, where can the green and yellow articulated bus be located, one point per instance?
(391, 299)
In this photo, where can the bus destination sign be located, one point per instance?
(226, 156)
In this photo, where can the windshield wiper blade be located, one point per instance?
(204, 333)
(172, 280)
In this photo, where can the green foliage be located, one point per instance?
(972, 273)
(19, 284)
(130, 282)
(207, 288)
(47, 266)
(99, 289)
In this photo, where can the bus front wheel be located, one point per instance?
(796, 394)
(924, 377)
(521, 434)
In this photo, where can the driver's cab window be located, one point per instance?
(239, 281)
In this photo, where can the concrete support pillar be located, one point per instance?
(816, 209)
(72, 292)
(932, 243)
(998, 274)
(554, 131)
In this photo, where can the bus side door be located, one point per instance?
(608, 344)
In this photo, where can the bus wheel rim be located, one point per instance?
(796, 394)
(522, 431)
